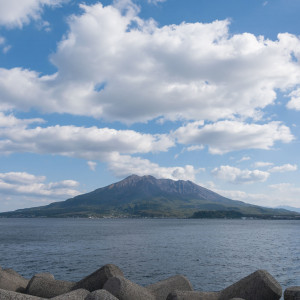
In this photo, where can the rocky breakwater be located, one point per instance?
(109, 283)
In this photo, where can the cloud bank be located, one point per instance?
(114, 147)
(130, 70)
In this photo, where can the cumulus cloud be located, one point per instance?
(20, 178)
(129, 69)
(238, 176)
(226, 136)
(25, 184)
(88, 143)
(15, 13)
(283, 168)
(103, 144)
(124, 165)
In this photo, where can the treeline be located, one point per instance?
(233, 214)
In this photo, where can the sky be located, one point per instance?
(92, 92)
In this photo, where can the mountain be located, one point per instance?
(146, 196)
(289, 208)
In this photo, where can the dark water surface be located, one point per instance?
(211, 253)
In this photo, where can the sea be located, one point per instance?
(212, 254)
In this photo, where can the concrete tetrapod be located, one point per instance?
(45, 275)
(101, 295)
(13, 272)
(47, 287)
(10, 295)
(259, 285)
(193, 295)
(163, 288)
(79, 294)
(12, 281)
(125, 289)
(96, 280)
(292, 293)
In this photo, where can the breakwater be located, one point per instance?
(109, 283)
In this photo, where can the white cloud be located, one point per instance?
(260, 164)
(44, 25)
(7, 121)
(155, 1)
(294, 103)
(89, 143)
(103, 144)
(285, 194)
(226, 136)
(5, 47)
(244, 158)
(92, 165)
(279, 194)
(188, 71)
(283, 168)
(16, 13)
(124, 165)
(238, 176)
(25, 184)
(20, 178)
(195, 148)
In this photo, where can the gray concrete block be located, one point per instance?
(80, 294)
(96, 280)
(46, 287)
(45, 275)
(10, 295)
(292, 293)
(101, 295)
(163, 288)
(125, 289)
(13, 272)
(259, 285)
(12, 281)
(193, 295)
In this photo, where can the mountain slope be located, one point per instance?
(144, 196)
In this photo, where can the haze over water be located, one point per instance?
(211, 253)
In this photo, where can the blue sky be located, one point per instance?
(91, 92)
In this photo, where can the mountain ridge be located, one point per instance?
(145, 196)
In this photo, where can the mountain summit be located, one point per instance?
(144, 196)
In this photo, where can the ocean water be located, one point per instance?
(211, 253)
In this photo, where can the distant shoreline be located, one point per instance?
(199, 215)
